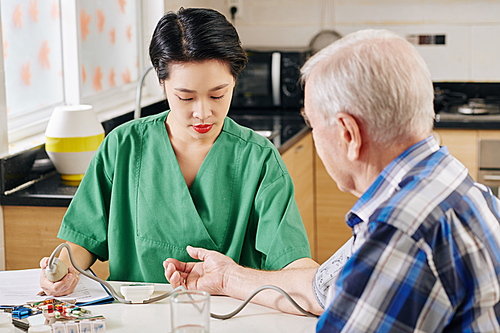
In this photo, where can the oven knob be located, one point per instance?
(290, 87)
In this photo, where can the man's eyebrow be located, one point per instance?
(193, 91)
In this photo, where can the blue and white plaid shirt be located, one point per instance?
(426, 254)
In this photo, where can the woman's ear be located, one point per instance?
(350, 134)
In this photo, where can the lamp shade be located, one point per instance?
(73, 135)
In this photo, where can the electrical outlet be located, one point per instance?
(238, 4)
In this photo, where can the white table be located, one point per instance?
(155, 317)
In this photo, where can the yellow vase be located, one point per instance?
(73, 135)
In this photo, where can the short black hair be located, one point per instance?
(195, 35)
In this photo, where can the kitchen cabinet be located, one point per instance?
(331, 207)
(31, 234)
(463, 145)
(299, 160)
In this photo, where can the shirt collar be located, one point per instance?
(388, 181)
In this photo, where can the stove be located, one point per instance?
(472, 110)
(468, 105)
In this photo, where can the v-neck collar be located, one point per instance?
(171, 152)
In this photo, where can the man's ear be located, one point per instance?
(350, 134)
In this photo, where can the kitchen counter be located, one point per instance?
(48, 190)
(283, 129)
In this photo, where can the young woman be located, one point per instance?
(188, 176)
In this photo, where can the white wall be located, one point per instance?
(472, 28)
(153, 11)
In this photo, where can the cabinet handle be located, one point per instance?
(491, 177)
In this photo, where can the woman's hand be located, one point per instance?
(60, 288)
(209, 275)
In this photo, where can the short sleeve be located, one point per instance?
(280, 236)
(86, 220)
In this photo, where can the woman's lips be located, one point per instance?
(203, 128)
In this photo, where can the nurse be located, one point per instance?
(187, 176)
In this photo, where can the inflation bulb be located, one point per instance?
(56, 270)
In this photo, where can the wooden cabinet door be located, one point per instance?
(31, 234)
(299, 160)
(331, 207)
(488, 134)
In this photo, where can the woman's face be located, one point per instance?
(199, 95)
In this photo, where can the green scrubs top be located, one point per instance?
(134, 208)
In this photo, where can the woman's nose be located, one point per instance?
(202, 110)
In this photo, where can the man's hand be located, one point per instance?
(209, 275)
(60, 288)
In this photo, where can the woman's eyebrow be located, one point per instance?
(185, 90)
(220, 87)
(193, 91)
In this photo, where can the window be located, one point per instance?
(59, 52)
(32, 59)
(111, 28)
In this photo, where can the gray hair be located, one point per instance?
(377, 77)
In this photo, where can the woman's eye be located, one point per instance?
(184, 99)
(217, 97)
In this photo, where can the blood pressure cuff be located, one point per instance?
(327, 274)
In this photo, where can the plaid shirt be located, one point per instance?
(426, 254)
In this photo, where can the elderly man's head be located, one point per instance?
(378, 78)
(369, 97)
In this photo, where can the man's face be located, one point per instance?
(328, 143)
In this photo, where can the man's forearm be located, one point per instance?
(296, 279)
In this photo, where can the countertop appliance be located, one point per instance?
(270, 79)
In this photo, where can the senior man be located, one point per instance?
(426, 247)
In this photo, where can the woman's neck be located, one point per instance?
(189, 151)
